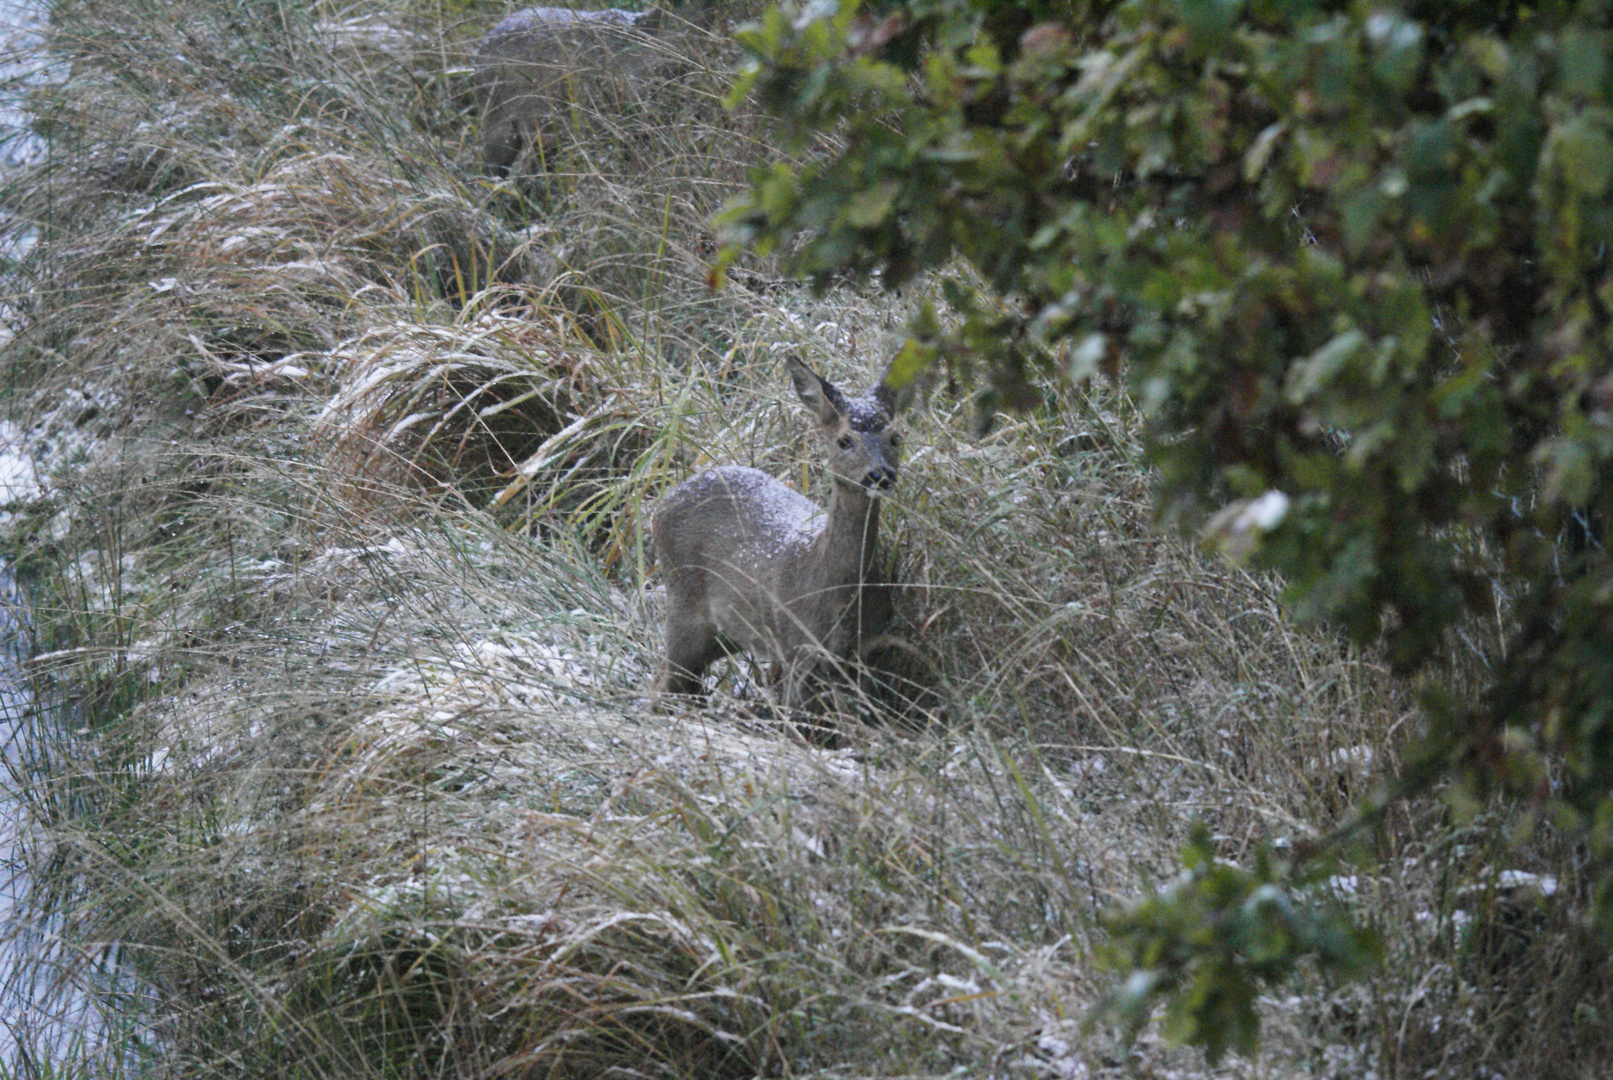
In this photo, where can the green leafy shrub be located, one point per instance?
(1353, 261)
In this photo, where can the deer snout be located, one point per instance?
(880, 479)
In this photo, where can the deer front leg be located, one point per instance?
(807, 693)
(691, 647)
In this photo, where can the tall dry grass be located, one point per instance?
(338, 565)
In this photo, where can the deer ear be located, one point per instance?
(912, 368)
(892, 401)
(816, 393)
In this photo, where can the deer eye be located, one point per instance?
(896, 438)
(844, 442)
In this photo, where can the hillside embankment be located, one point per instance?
(343, 454)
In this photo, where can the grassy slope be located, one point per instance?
(347, 568)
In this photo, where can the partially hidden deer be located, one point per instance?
(540, 64)
(751, 565)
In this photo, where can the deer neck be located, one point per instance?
(846, 548)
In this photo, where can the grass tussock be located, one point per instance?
(344, 452)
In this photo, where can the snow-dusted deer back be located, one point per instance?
(750, 564)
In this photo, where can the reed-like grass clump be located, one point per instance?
(339, 583)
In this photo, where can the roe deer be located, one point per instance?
(749, 564)
(538, 64)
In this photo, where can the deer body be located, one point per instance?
(539, 63)
(752, 565)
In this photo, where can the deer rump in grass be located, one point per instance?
(751, 565)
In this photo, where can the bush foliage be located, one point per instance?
(1352, 259)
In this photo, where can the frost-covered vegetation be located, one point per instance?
(343, 451)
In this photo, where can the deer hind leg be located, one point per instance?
(501, 131)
